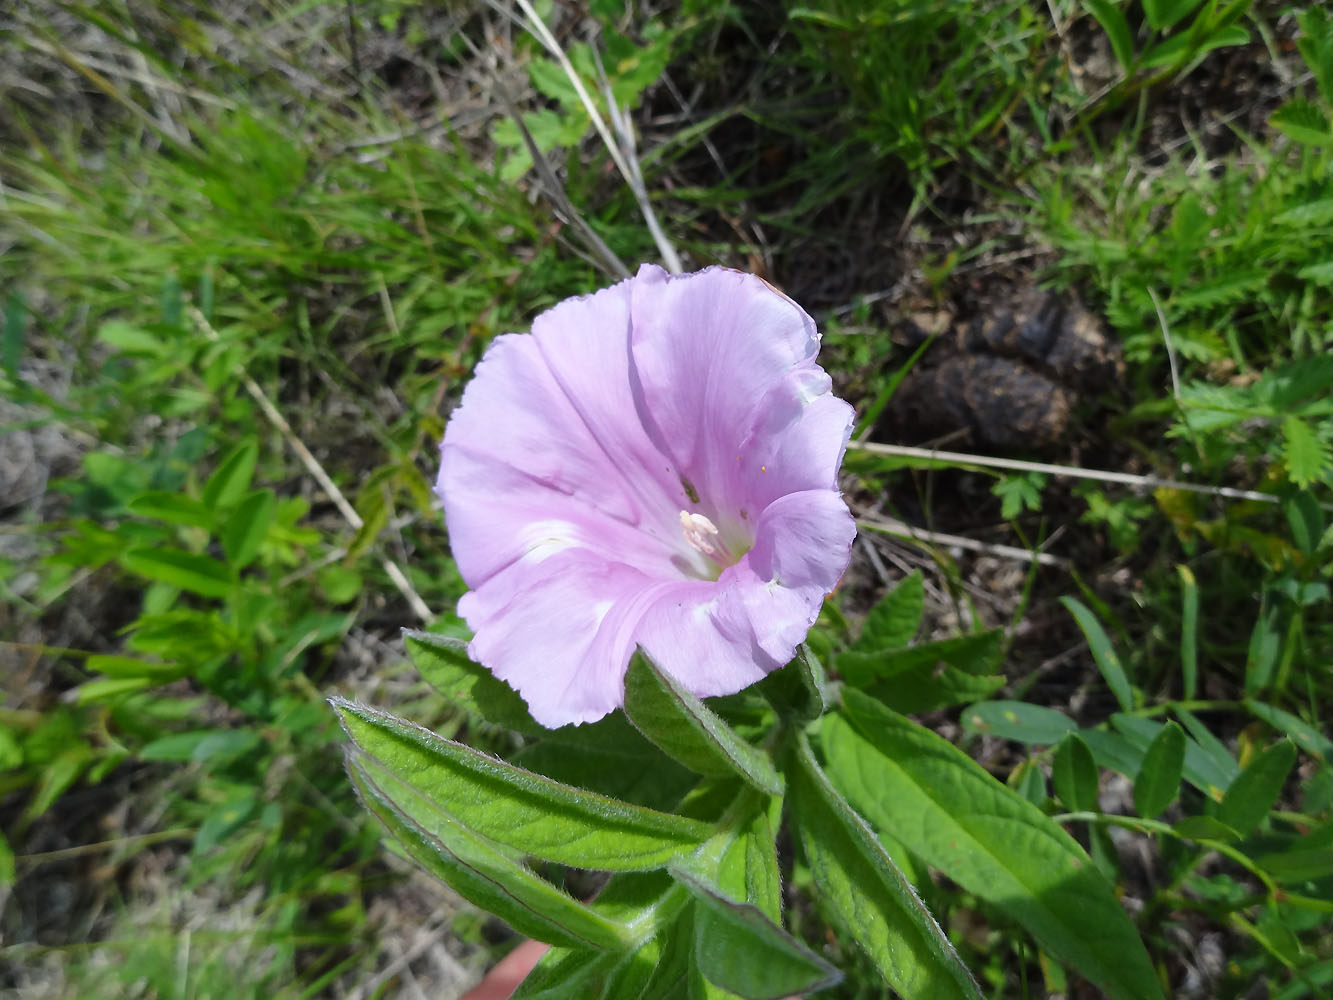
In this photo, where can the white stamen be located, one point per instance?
(700, 532)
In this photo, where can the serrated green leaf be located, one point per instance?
(1302, 121)
(1158, 781)
(953, 814)
(445, 665)
(475, 869)
(515, 807)
(740, 949)
(1108, 662)
(1306, 455)
(867, 894)
(231, 478)
(1113, 22)
(174, 508)
(1074, 774)
(199, 574)
(893, 622)
(247, 527)
(1019, 721)
(1257, 788)
(688, 731)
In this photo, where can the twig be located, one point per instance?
(632, 175)
(901, 529)
(1065, 471)
(316, 470)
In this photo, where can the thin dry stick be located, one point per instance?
(901, 529)
(1065, 471)
(316, 470)
(633, 177)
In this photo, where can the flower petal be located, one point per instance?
(721, 638)
(554, 409)
(707, 350)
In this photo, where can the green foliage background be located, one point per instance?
(245, 242)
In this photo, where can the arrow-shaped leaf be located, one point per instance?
(517, 808)
(687, 730)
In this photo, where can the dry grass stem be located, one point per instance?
(316, 470)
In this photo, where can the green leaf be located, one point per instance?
(948, 810)
(1304, 735)
(1102, 652)
(974, 654)
(1204, 827)
(109, 689)
(174, 508)
(1189, 633)
(1257, 788)
(1299, 865)
(740, 949)
(202, 745)
(247, 527)
(749, 867)
(1163, 14)
(202, 575)
(1302, 121)
(8, 869)
(609, 756)
(1158, 781)
(232, 477)
(131, 339)
(1113, 22)
(1074, 774)
(1306, 455)
(867, 894)
(686, 730)
(1182, 47)
(1306, 518)
(1266, 642)
(511, 806)
(128, 666)
(565, 973)
(445, 665)
(226, 819)
(894, 620)
(798, 691)
(475, 869)
(1019, 721)
(1202, 770)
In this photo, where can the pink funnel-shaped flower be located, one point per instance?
(655, 465)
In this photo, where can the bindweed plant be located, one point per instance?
(638, 537)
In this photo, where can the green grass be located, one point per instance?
(193, 198)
